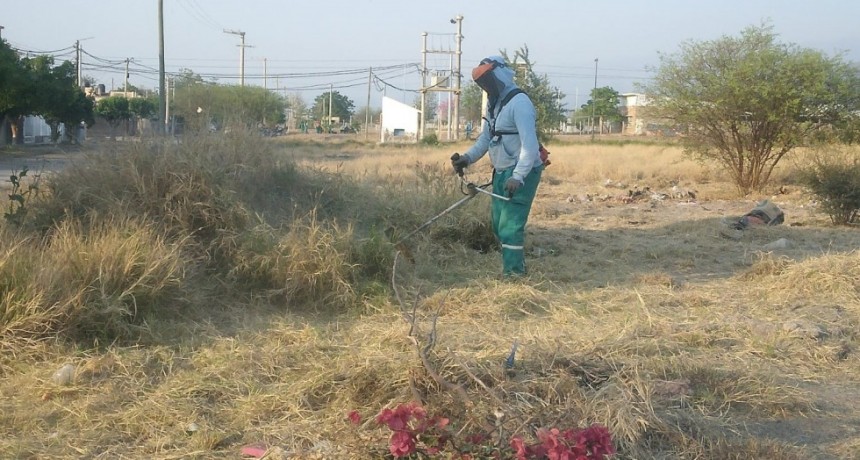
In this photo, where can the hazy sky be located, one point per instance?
(305, 43)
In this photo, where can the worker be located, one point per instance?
(510, 135)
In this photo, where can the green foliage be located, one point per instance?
(142, 108)
(470, 102)
(430, 139)
(114, 110)
(14, 82)
(835, 180)
(35, 85)
(200, 104)
(546, 98)
(20, 195)
(603, 104)
(746, 101)
(341, 106)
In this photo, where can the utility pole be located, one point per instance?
(167, 108)
(241, 54)
(78, 60)
(594, 99)
(422, 118)
(162, 89)
(265, 74)
(125, 89)
(330, 97)
(448, 87)
(458, 76)
(367, 112)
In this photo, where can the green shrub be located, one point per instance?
(835, 181)
(430, 139)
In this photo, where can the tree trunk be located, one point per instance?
(17, 130)
(4, 130)
(55, 131)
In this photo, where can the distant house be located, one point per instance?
(399, 121)
(631, 107)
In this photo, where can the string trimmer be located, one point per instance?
(470, 189)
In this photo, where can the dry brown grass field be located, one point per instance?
(223, 292)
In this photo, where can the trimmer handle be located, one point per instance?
(458, 168)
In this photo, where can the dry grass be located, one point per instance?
(275, 279)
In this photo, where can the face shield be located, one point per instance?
(484, 76)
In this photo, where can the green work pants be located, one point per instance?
(509, 218)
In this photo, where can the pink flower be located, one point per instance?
(401, 444)
(519, 447)
(354, 417)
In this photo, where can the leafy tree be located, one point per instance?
(16, 89)
(114, 110)
(142, 107)
(546, 98)
(58, 99)
(185, 78)
(603, 104)
(470, 102)
(746, 101)
(36, 86)
(341, 106)
(200, 104)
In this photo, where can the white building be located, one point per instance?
(399, 121)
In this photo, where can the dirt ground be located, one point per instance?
(671, 237)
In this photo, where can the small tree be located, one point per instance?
(834, 178)
(142, 109)
(745, 102)
(341, 106)
(470, 102)
(114, 110)
(603, 105)
(545, 97)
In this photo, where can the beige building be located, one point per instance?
(631, 106)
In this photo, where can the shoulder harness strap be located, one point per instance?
(492, 124)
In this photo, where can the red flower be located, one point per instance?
(519, 447)
(401, 444)
(354, 417)
(476, 438)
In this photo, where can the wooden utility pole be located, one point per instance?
(162, 90)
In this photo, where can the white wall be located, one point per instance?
(397, 116)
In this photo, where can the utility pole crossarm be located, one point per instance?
(242, 47)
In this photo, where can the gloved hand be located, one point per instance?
(512, 185)
(459, 162)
